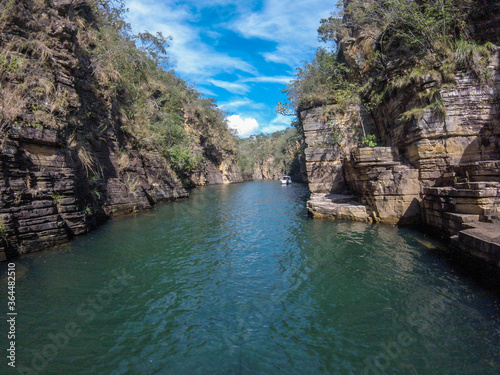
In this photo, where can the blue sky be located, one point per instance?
(240, 52)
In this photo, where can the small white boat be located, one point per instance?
(286, 180)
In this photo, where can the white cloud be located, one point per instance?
(197, 45)
(241, 102)
(235, 104)
(244, 126)
(211, 3)
(292, 24)
(264, 79)
(234, 87)
(213, 34)
(193, 58)
(205, 92)
(284, 54)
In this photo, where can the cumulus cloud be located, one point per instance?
(244, 126)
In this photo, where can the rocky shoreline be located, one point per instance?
(442, 174)
(72, 154)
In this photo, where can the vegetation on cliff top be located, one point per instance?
(112, 78)
(275, 153)
(382, 46)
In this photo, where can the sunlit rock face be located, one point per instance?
(448, 150)
(329, 142)
(463, 143)
(438, 169)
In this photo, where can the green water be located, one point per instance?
(238, 280)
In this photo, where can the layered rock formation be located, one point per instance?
(67, 162)
(329, 141)
(47, 196)
(267, 170)
(438, 170)
(436, 150)
(209, 173)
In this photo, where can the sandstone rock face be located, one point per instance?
(467, 131)
(272, 163)
(217, 167)
(265, 170)
(328, 144)
(481, 241)
(442, 169)
(211, 174)
(230, 171)
(450, 209)
(389, 187)
(338, 207)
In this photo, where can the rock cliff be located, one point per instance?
(270, 156)
(72, 155)
(438, 170)
(47, 196)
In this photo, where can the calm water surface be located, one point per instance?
(238, 280)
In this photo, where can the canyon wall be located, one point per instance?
(47, 196)
(270, 156)
(419, 84)
(329, 141)
(444, 150)
(268, 169)
(441, 172)
(68, 158)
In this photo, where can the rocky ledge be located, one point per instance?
(481, 241)
(339, 207)
(438, 173)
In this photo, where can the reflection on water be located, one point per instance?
(238, 280)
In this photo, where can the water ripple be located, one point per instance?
(238, 280)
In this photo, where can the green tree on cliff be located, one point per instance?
(417, 45)
(125, 80)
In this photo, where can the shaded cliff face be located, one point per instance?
(47, 196)
(71, 156)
